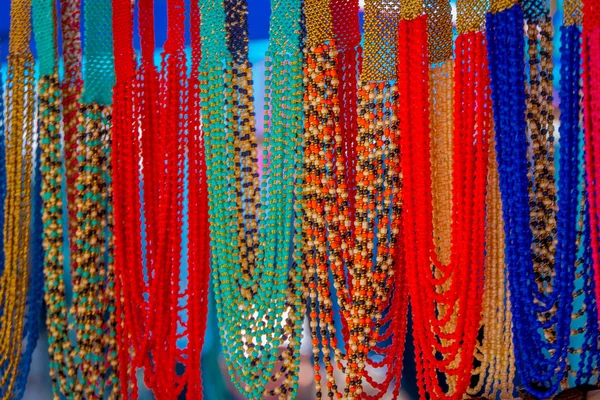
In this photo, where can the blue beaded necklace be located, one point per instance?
(541, 317)
(573, 230)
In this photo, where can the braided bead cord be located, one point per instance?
(269, 291)
(591, 106)
(17, 207)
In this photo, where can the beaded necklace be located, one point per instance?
(166, 109)
(34, 296)
(263, 298)
(92, 291)
(377, 203)
(17, 207)
(573, 229)
(61, 368)
(591, 88)
(495, 352)
(445, 317)
(536, 363)
(198, 230)
(329, 243)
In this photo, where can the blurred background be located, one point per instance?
(215, 378)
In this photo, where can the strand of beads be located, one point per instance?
(441, 82)
(507, 71)
(17, 210)
(323, 235)
(99, 79)
(323, 224)
(198, 236)
(439, 32)
(377, 205)
(89, 305)
(540, 120)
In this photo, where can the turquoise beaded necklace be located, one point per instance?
(258, 295)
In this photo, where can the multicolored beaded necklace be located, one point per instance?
(19, 300)
(77, 369)
(377, 203)
(541, 290)
(263, 299)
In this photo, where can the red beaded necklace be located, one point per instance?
(165, 108)
(445, 299)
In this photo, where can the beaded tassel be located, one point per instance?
(17, 208)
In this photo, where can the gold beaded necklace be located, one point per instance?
(495, 351)
(19, 150)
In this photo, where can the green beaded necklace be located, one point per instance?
(258, 295)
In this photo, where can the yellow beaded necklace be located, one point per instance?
(20, 97)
